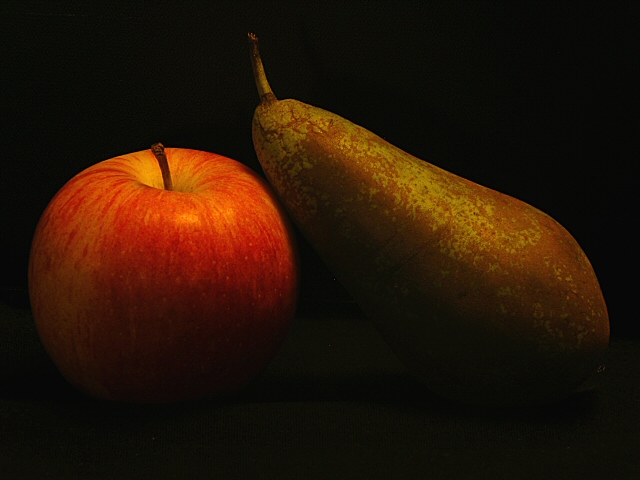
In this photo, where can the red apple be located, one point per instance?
(146, 291)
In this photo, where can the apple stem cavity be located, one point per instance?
(264, 89)
(161, 156)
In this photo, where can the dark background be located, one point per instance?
(538, 100)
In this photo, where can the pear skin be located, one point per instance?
(483, 297)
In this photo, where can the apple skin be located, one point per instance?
(143, 294)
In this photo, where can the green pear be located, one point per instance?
(483, 297)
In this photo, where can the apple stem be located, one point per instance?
(264, 89)
(161, 156)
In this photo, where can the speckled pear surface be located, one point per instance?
(485, 298)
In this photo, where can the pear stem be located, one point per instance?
(264, 89)
(161, 156)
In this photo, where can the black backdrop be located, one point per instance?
(536, 100)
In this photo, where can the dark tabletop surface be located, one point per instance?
(334, 403)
